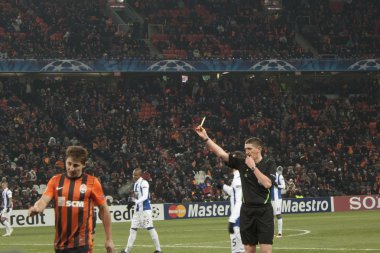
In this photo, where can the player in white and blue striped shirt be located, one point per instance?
(6, 208)
(276, 196)
(236, 196)
(142, 217)
(235, 193)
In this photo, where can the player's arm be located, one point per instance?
(265, 180)
(145, 193)
(47, 196)
(215, 148)
(235, 213)
(39, 206)
(106, 220)
(227, 189)
(10, 204)
(282, 184)
(100, 200)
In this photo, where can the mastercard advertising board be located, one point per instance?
(197, 210)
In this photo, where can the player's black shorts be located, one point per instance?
(83, 249)
(256, 224)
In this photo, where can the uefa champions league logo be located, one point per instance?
(369, 64)
(273, 65)
(66, 66)
(171, 65)
(155, 212)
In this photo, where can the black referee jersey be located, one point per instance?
(254, 194)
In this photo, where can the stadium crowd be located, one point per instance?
(191, 29)
(220, 29)
(31, 29)
(324, 133)
(347, 29)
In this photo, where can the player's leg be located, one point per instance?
(132, 232)
(265, 229)
(279, 225)
(148, 223)
(250, 248)
(248, 231)
(274, 206)
(154, 236)
(236, 243)
(7, 225)
(265, 248)
(279, 218)
(131, 239)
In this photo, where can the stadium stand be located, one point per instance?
(324, 133)
(346, 29)
(70, 29)
(190, 29)
(213, 29)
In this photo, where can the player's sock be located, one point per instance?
(279, 223)
(154, 235)
(131, 240)
(239, 247)
(7, 225)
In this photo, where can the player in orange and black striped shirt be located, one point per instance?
(75, 195)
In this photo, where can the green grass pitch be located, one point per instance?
(309, 233)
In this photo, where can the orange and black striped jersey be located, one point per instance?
(74, 202)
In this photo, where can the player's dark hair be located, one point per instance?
(78, 153)
(255, 141)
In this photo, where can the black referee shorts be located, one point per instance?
(256, 224)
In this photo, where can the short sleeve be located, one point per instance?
(50, 188)
(97, 193)
(271, 170)
(235, 162)
(9, 193)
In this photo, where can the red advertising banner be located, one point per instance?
(352, 203)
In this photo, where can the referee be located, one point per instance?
(257, 175)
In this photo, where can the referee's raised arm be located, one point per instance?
(215, 148)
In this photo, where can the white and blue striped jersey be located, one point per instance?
(235, 193)
(275, 192)
(6, 198)
(142, 196)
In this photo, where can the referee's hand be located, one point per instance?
(250, 162)
(201, 132)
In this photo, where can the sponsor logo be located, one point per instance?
(22, 220)
(61, 201)
(353, 203)
(83, 188)
(364, 203)
(74, 203)
(213, 210)
(177, 211)
(305, 205)
(59, 188)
